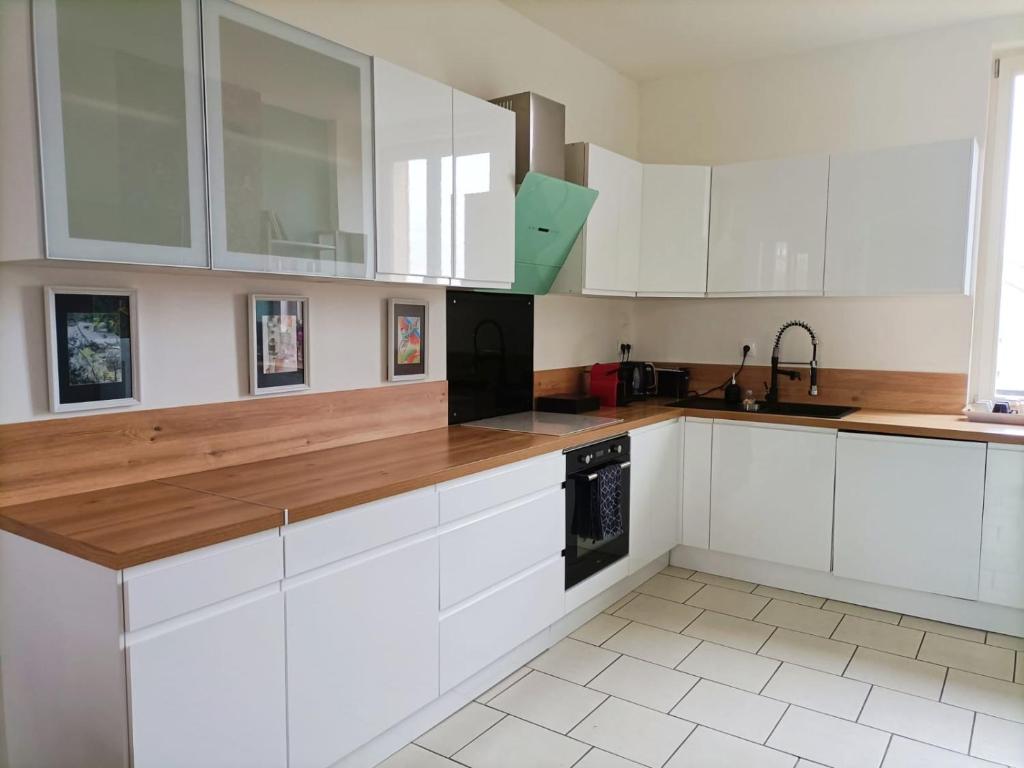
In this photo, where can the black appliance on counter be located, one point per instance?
(673, 382)
(638, 381)
(490, 354)
(586, 555)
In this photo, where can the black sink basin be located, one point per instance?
(812, 410)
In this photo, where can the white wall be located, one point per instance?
(904, 90)
(192, 323)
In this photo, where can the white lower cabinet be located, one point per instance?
(1002, 529)
(696, 530)
(211, 692)
(908, 512)
(771, 492)
(653, 492)
(362, 649)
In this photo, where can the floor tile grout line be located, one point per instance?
(774, 727)
(970, 741)
(942, 690)
(580, 760)
(770, 678)
(886, 752)
(849, 661)
(485, 730)
(864, 703)
(762, 645)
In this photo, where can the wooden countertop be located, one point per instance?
(132, 524)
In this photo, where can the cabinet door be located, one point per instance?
(211, 692)
(771, 492)
(362, 650)
(289, 124)
(908, 512)
(768, 227)
(653, 493)
(120, 123)
(413, 150)
(1002, 531)
(612, 234)
(900, 220)
(485, 193)
(674, 232)
(697, 482)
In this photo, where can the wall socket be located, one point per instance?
(753, 349)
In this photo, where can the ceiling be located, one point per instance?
(648, 39)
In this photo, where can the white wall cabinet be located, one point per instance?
(362, 649)
(696, 502)
(289, 136)
(771, 492)
(1002, 531)
(653, 492)
(212, 691)
(121, 137)
(676, 204)
(485, 193)
(900, 220)
(767, 232)
(605, 260)
(908, 512)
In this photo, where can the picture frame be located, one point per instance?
(278, 343)
(407, 339)
(92, 348)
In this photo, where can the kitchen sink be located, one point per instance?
(812, 410)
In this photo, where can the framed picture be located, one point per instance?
(407, 339)
(92, 348)
(278, 343)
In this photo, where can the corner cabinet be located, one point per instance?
(605, 260)
(674, 230)
(908, 512)
(120, 124)
(771, 492)
(289, 135)
(900, 220)
(767, 234)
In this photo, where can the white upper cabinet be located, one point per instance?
(771, 492)
(120, 121)
(413, 147)
(289, 126)
(674, 230)
(605, 259)
(900, 220)
(768, 227)
(908, 512)
(485, 193)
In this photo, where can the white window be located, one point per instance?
(999, 329)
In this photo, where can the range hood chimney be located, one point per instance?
(550, 212)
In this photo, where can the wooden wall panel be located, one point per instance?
(45, 459)
(557, 381)
(909, 391)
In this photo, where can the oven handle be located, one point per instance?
(593, 476)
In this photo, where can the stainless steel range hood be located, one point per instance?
(550, 212)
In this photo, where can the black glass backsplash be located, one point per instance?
(490, 354)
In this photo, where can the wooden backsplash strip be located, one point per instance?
(44, 459)
(883, 390)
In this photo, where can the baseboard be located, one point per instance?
(967, 613)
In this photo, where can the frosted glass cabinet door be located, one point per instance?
(413, 152)
(289, 124)
(120, 122)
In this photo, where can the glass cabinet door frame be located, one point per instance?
(60, 244)
(221, 257)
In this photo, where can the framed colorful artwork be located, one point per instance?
(92, 348)
(278, 343)
(407, 339)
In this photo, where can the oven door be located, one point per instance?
(586, 556)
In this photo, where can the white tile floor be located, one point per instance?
(700, 671)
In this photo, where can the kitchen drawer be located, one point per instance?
(490, 489)
(484, 551)
(499, 620)
(333, 537)
(159, 591)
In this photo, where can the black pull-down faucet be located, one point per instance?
(772, 396)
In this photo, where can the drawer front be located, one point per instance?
(499, 486)
(488, 550)
(159, 591)
(313, 543)
(485, 630)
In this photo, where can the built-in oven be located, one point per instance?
(596, 507)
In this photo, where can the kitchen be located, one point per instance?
(230, 538)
